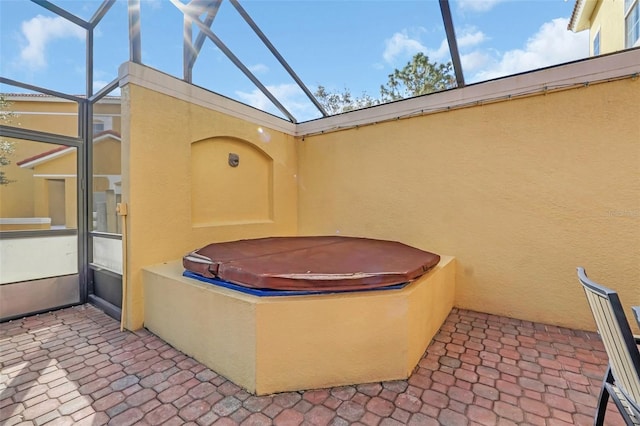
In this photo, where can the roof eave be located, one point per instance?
(581, 16)
(44, 157)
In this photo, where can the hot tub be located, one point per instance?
(343, 334)
(308, 265)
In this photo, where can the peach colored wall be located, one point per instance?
(520, 192)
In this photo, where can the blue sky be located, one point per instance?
(338, 44)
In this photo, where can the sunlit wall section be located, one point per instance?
(606, 23)
(241, 177)
(520, 190)
(165, 123)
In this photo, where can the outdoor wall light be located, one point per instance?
(234, 159)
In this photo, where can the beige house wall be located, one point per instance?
(17, 198)
(42, 113)
(608, 19)
(521, 192)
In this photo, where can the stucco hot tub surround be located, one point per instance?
(276, 344)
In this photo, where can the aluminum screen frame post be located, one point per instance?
(233, 58)
(191, 50)
(135, 44)
(453, 43)
(278, 56)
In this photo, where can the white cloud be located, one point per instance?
(259, 69)
(289, 95)
(441, 53)
(552, 44)
(474, 61)
(478, 5)
(470, 37)
(41, 30)
(402, 47)
(400, 44)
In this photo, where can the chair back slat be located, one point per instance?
(624, 357)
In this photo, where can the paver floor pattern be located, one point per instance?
(75, 367)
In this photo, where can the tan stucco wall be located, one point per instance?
(520, 192)
(243, 193)
(608, 18)
(17, 198)
(157, 182)
(106, 157)
(44, 115)
(276, 344)
(216, 326)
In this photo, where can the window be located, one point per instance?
(98, 127)
(102, 123)
(596, 44)
(632, 23)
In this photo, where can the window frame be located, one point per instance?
(105, 120)
(631, 7)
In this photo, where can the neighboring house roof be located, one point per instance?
(42, 97)
(581, 16)
(43, 157)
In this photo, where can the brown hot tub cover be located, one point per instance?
(330, 263)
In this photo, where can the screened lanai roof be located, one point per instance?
(299, 60)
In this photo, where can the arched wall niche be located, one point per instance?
(225, 192)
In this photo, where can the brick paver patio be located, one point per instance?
(75, 367)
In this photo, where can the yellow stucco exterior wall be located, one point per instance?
(158, 182)
(17, 198)
(276, 344)
(521, 192)
(608, 19)
(43, 114)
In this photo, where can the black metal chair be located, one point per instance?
(622, 380)
(636, 312)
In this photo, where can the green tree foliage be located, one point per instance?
(335, 103)
(7, 148)
(418, 77)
